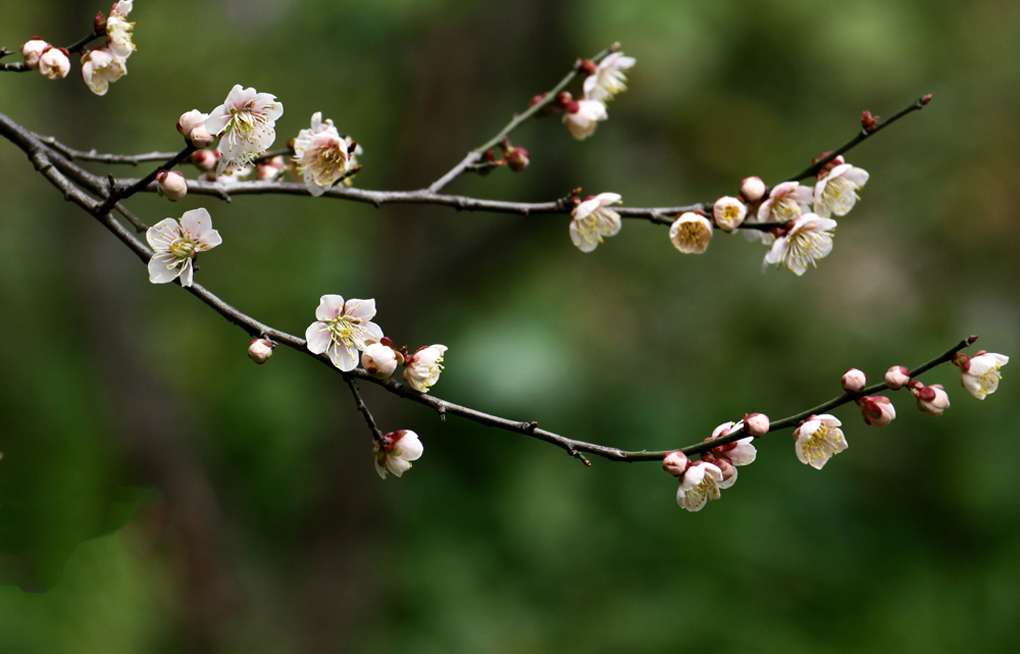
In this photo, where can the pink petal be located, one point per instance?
(329, 307)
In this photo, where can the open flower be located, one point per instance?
(321, 155)
(342, 329)
(809, 240)
(246, 125)
(176, 245)
(592, 219)
(583, 116)
(608, 78)
(690, 233)
(699, 484)
(118, 33)
(395, 452)
(729, 213)
(786, 201)
(422, 369)
(99, 68)
(836, 193)
(54, 63)
(819, 439)
(980, 373)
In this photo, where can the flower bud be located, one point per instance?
(752, 189)
(930, 399)
(260, 350)
(517, 159)
(756, 424)
(690, 233)
(269, 169)
(729, 213)
(32, 50)
(897, 377)
(172, 185)
(206, 159)
(380, 360)
(854, 380)
(878, 411)
(675, 463)
(192, 126)
(54, 63)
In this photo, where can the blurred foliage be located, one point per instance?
(265, 528)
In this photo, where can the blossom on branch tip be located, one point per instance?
(245, 123)
(808, 240)
(32, 50)
(593, 219)
(877, 410)
(191, 125)
(690, 233)
(897, 377)
(729, 213)
(321, 155)
(423, 367)
(380, 359)
(342, 329)
(819, 438)
(54, 63)
(395, 452)
(608, 79)
(836, 193)
(699, 484)
(583, 116)
(260, 350)
(171, 184)
(854, 380)
(176, 245)
(980, 373)
(932, 400)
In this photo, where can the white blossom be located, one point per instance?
(321, 155)
(809, 239)
(246, 125)
(836, 193)
(699, 485)
(980, 374)
(819, 439)
(729, 213)
(32, 50)
(583, 116)
(690, 233)
(118, 33)
(54, 63)
(395, 452)
(593, 219)
(342, 329)
(422, 369)
(176, 245)
(608, 78)
(100, 68)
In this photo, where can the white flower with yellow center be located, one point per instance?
(342, 329)
(246, 125)
(699, 484)
(690, 233)
(176, 245)
(808, 240)
(786, 201)
(422, 369)
(729, 213)
(321, 155)
(593, 219)
(981, 373)
(819, 439)
(608, 78)
(836, 193)
(394, 453)
(118, 35)
(582, 117)
(99, 68)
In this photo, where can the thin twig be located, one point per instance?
(363, 408)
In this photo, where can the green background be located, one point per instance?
(160, 493)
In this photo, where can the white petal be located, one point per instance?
(360, 309)
(163, 268)
(318, 337)
(187, 272)
(197, 222)
(341, 357)
(397, 465)
(329, 307)
(410, 446)
(163, 233)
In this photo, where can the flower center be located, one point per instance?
(785, 209)
(806, 247)
(183, 248)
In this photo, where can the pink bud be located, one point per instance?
(930, 399)
(675, 463)
(260, 350)
(518, 159)
(172, 184)
(269, 169)
(206, 159)
(54, 63)
(380, 360)
(756, 424)
(192, 126)
(752, 189)
(854, 380)
(32, 50)
(877, 410)
(897, 377)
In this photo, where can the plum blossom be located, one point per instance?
(171, 184)
(260, 350)
(756, 424)
(423, 367)
(592, 219)
(321, 155)
(932, 400)
(342, 329)
(877, 410)
(700, 483)
(676, 463)
(245, 123)
(727, 457)
(897, 377)
(54, 63)
(980, 373)
(32, 50)
(191, 125)
(608, 79)
(395, 451)
(786, 201)
(836, 193)
(819, 438)
(854, 380)
(118, 33)
(752, 189)
(690, 233)
(729, 213)
(176, 245)
(100, 68)
(380, 359)
(809, 239)
(583, 116)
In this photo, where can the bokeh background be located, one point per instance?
(160, 493)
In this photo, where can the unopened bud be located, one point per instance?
(752, 189)
(933, 400)
(172, 185)
(675, 463)
(728, 213)
(206, 159)
(756, 424)
(517, 159)
(869, 123)
(878, 411)
(269, 169)
(54, 63)
(854, 380)
(380, 360)
(32, 50)
(260, 350)
(192, 126)
(897, 377)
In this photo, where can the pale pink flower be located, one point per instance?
(583, 116)
(245, 123)
(786, 201)
(729, 213)
(757, 424)
(100, 68)
(321, 155)
(191, 125)
(122, 8)
(699, 485)
(740, 452)
(380, 360)
(676, 463)
(897, 377)
(836, 193)
(260, 350)
(752, 189)
(118, 34)
(819, 439)
(206, 159)
(608, 78)
(592, 219)
(54, 63)
(933, 400)
(171, 184)
(809, 239)
(877, 410)
(32, 50)
(690, 233)
(423, 367)
(342, 329)
(980, 373)
(175, 246)
(854, 380)
(395, 452)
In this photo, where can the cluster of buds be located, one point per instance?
(52, 62)
(877, 410)
(421, 367)
(514, 158)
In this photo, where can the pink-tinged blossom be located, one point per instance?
(245, 123)
(676, 463)
(171, 184)
(380, 359)
(175, 246)
(740, 452)
(54, 63)
(819, 439)
(592, 220)
(270, 169)
(118, 34)
(690, 233)
(786, 202)
(932, 400)
(897, 377)
(342, 330)
(756, 424)
(807, 241)
(583, 116)
(260, 350)
(877, 410)
(699, 485)
(752, 189)
(422, 369)
(321, 155)
(729, 213)
(980, 373)
(394, 453)
(100, 68)
(854, 380)
(836, 193)
(608, 79)
(122, 8)
(206, 159)
(191, 125)
(32, 50)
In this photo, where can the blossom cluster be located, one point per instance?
(604, 81)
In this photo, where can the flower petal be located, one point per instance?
(329, 307)
(163, 268)
(318, 337)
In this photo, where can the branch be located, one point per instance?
(363, 408)
(92, 155)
